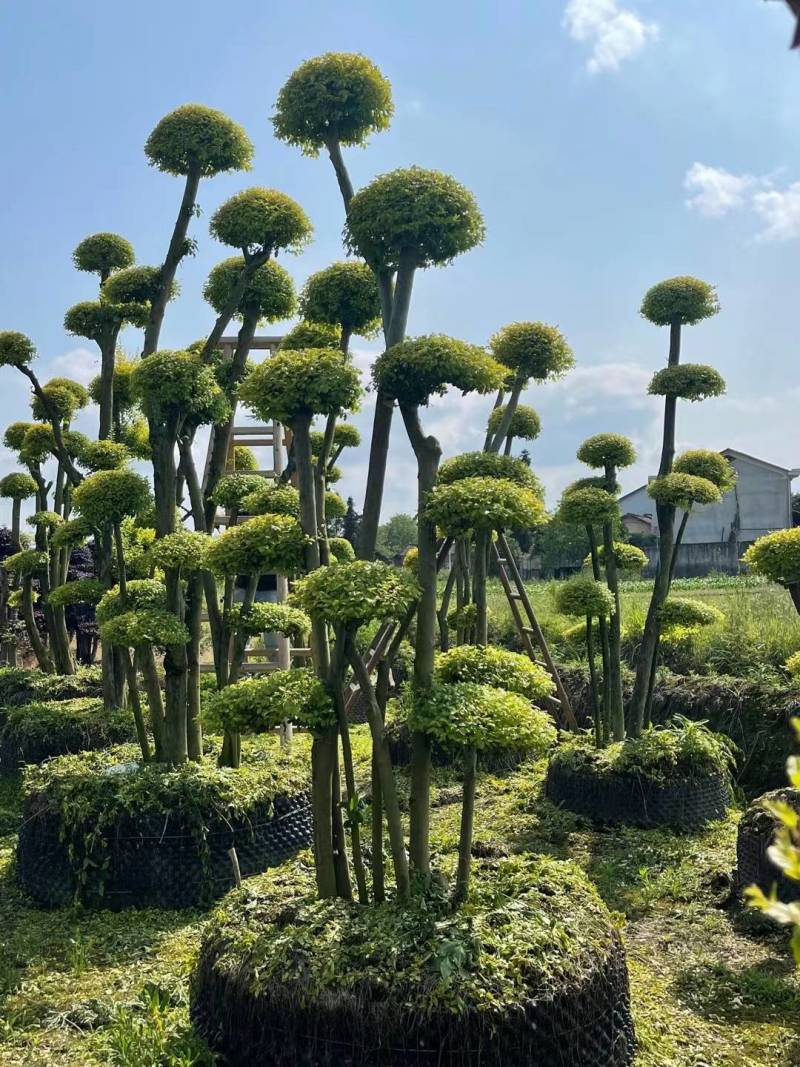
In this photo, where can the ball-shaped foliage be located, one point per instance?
(481, 717)
(266, 544)
(27, 563)
(244, 459)
(488, 465)
(103, 455)
(184, 551)
(341, 550)
(355, 592)
(82, 591)
(108, 496)
(583, 596)
(345, 295)
(17, 486)
(168, 380)
(683, 491)
(96, 319)
(269, 294)
(232, 489)
(57, 402)
(338, 96)
(47, 519)
(335, 506)
(792, 666)
(680, 611)
(627, 557)
(136, 438)
(16, 350)
(533, 349)
(484, 504)
(71, 533)
(588, 507)
(332, 475)
(607, 450)
(255, 705)
(683, 300)
(346, 435)
(142, 594)
(38, 444)
(712, 466)
(270, 618)
(271, 498)
(421, 216)
(15, 434)
(102, 253)
(411, 559)
(496, 667)
(134, 629)
(312, 381)
(414, 370)
(525, 422)
(311, 335)
(687, 381)
(261, 218)
(122, 382)
(198, 139)
(135, 285)
(776, 556)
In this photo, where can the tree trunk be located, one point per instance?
(467, 823)
(36, 643)
(147, 665)
(194, 607)
(598, 725)
(136, 707)
(108, 351)
(479, 588)
(615, 715)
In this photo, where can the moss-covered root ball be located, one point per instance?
(682, 301)
(345, 295)
(338, 96)
(534, 350)
(420, 217)
(269, 295)
(102, 253)
(281, 977)
(194, 139)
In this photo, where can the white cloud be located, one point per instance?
(780, 211)
(589, 389)
(714, 191)
(614, 32)
(80, 364)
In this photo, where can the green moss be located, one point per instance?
(41, 729)
(19, 685)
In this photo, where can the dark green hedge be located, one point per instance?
(42, 729)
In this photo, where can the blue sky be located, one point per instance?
(610, 143)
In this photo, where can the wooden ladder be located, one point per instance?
(531, 631)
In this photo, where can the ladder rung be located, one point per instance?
(515, 596)
(251, 431)
(252, 442)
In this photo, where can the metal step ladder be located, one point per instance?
(530, 631)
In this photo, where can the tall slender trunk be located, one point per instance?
(38, 646)
(147, 664)
(108, 351)
(479, 588)
(467, 822)
(194, 607)
(598, 725)
(615, 714)
(508, 414)
(602, 625)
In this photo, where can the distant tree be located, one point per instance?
(351, 522)
(396, 535)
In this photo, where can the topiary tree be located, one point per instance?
(344, 295)
(586, 598)
(676, 302)
(525, 424)
(777, 557)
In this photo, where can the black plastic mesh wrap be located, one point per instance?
(683, 803)
(756, 834)
(160, 862)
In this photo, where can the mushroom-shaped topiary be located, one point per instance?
(687, 381)
(344, 295)
(183, 551)
(335, 505)
(583, 596)
(497, 667)
(135, 629)
(683, 300)
(607, 450)
(169, 383)
(311, 335)
(269, 498)
(141, 594)
(477, 717)
(268, 297)
(124, 398)
(355, 593)
(484, 504)
(106, 497)
(71, 533)
(533, 349)
(17, 486)
(255, 705)
(261, 218)
(307, 382)
(198, 140)
(488, 465)
(47, 519)
(338, 96)
(58, 401)
(587, 506)
(777, 557)
(713, 466)
(81, 591)
(136, 438)
(38, 444)
(341, 550)
(263, 617)
(627, 557)
(525, 422)
(16, 350)
(232, 489)
(418, 217)
(26, 563)
(102, 253)
(266, 544)
(680, 611)
(14, 435)
(244, 459)
(102, 455)
(100, 319)
(414, 370)
(683, 491)
(135, 285)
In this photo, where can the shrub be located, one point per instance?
(265, 544)
(16, 350)
(45, 728)
(683, 490)
(131, 629)
(264, 617)
(687, 381)
(583, 596)
(315, 381)
(484, 504)
(255, 705)
(341, 550)
(142, 594)
(135, 285)
(533, 349)
(194, 137)
(495, 667)
(712, 466)
(416, 369)
(679, 611)
(355, 592)
(607, 450)
(525, 422)
(488, 465)
(232, 489)
(344, 295)
(776, 556)
(101, 253)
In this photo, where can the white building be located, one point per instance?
(717, 534)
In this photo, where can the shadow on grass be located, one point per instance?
(764, 992)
